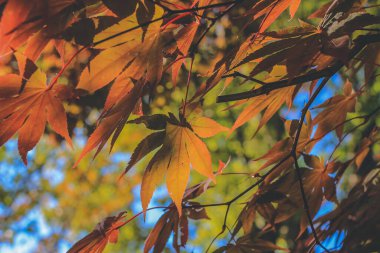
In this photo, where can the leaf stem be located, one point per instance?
(64, 67)
(140, 213)
(188, 85)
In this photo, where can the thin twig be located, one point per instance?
(232, 4)
(168, 14)
(55, 80)
(365, 121)
(295, 158)
(210, 6)
(361, 42)
(188, 85)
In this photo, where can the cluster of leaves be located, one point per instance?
(134, 46)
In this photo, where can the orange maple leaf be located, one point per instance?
(335, 112)
(271, 102)
(28, 112)
(120, 103)
(105, 232)
(271, 10)
(180, 149)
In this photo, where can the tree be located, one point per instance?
(180, 86)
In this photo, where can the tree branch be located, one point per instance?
(168, 14)
(295, 158)
(361, 42)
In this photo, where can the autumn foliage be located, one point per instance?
(126, 50)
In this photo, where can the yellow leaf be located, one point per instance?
(153, 176)
(199, 155)
(125, 25)
(206, 127)
(179, 165)
(29, 111)
(105, 67)
(136, 57)
(180, 148)
(141, 52)
(272, 103)
(112, 120)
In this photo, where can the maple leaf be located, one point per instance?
(271, 10)
(161, 232)
(9, 85)
(181, 147)
(369, 56)
(170, 221)
(184, 38)
(271, 103)
(281, 150)
(137, 60)
(120, 103)
(136, 55)
(339, 23)
(335, 112)
(205, 127)
(229, 62)
(150, 143)
(358, 220)
(318, 184)
(260, 203)
(365, 147)
(28, 112)
(298, 49)
(105, 232)
(37, 20)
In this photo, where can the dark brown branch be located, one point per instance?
(168, 14)
(268, 87)
(359, 43)
(248, 189)
(210, 6)
(238, 74)
(295, 158)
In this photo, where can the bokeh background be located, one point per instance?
(49, 205)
